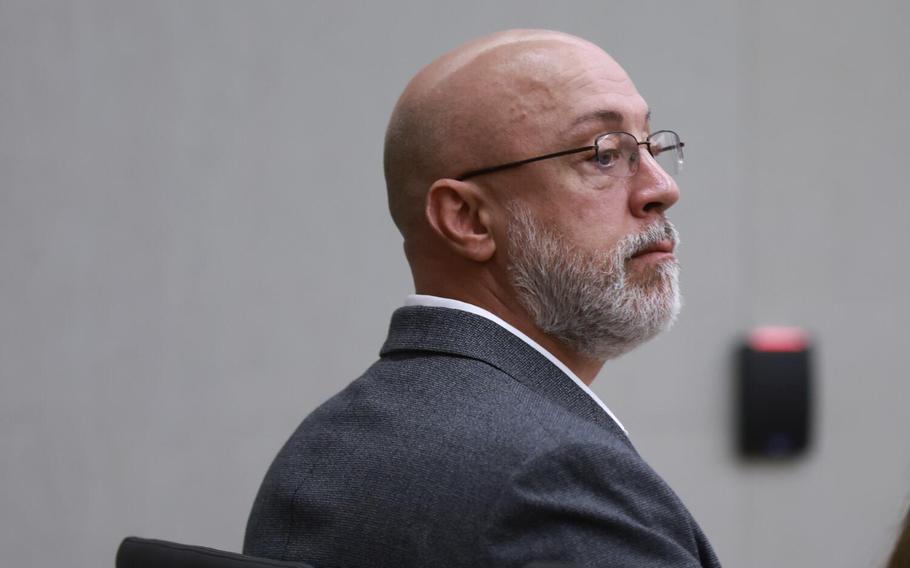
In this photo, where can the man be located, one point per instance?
(522, 177)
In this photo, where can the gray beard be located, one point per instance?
(587, 300)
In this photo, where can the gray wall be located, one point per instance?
(195, 253)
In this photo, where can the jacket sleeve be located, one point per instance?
(588, 505)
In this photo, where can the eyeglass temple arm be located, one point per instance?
(500, 167)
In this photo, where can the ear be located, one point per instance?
(459, 214)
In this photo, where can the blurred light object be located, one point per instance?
(774, 394)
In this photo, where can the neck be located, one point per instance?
(512, 313)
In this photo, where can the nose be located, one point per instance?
(653, 190)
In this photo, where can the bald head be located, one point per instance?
(490, 100)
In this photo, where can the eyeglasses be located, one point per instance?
(615, 152)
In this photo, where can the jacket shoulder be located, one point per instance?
(590, 503)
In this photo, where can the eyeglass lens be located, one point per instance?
(667, 150)
(618, 152)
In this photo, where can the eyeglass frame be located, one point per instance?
(510, 165)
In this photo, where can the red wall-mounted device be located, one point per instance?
(774, 393)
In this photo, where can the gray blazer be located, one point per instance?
(463, 446)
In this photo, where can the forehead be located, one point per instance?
(567, 89)
(595, 93)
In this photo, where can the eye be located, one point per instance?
(608, 157)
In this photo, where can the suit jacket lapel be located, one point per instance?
(455, 332)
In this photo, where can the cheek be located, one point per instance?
(601, 218)
(592, 216)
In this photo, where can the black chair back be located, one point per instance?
(135, 552)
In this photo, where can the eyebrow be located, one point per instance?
(604, 115)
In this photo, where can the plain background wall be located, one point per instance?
(195, 253)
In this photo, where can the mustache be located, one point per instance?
(657, 232)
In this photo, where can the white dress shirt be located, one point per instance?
(437, 302)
